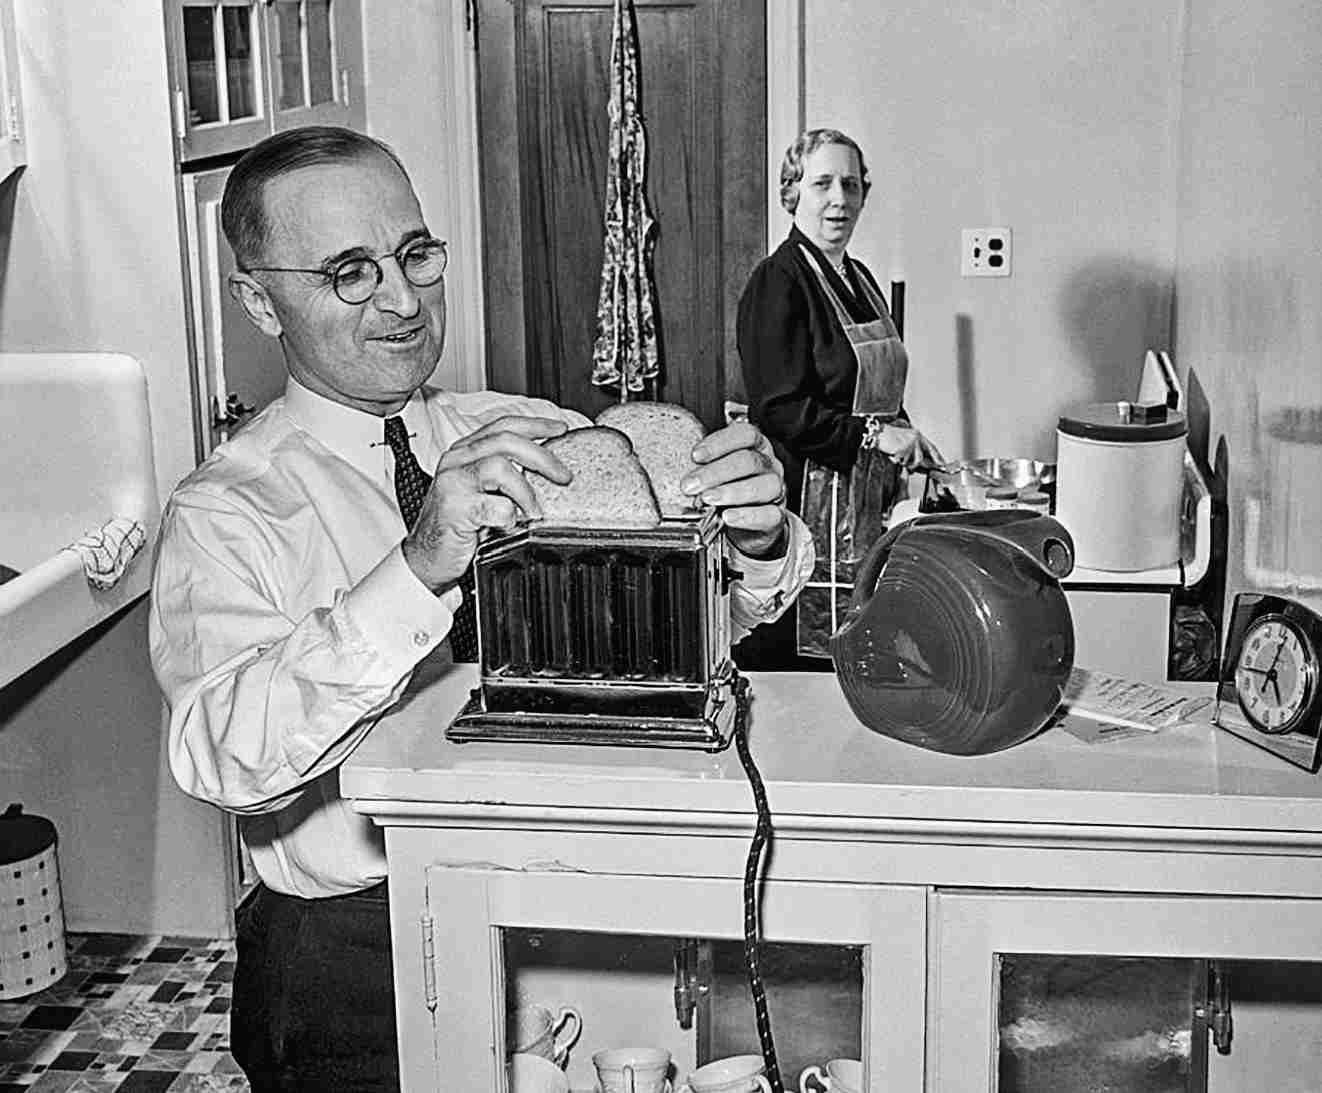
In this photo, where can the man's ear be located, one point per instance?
(251, 295)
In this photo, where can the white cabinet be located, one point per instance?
(13, 151)
(982, 941)
(465, 932)
(241, 69)
(237, 368)
(1180, 851)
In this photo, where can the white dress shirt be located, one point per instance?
(284, 619)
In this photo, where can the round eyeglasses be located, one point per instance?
(355, 280)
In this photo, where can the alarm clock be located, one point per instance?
(1270, 691)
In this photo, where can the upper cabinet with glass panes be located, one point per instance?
(241, 69)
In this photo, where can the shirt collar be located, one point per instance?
(354, 435)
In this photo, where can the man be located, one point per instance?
(291, 601)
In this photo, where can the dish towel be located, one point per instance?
(106, 551)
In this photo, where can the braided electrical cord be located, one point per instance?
(761, 836)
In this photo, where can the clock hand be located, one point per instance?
(1272, 680)
(1272, 666)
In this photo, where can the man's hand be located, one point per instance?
(479, 484)
(740, 475)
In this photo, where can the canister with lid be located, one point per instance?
(1119, 483)
(32, 950)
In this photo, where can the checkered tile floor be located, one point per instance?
(131, 1014)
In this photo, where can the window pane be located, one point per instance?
(321, 59)
(200, 58)
(287, 28)
(240, 68)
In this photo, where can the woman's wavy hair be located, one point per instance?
(805, 144)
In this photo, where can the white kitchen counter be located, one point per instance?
(1188, 842)
(822, 768)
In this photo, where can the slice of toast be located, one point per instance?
(610, 488)
(663, 435)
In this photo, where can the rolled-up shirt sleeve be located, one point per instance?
(768, 586)
(263, 704)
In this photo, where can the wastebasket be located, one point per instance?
(32, 950)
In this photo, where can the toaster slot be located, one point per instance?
(505, 615)
(550, 625)
(591, 612)
(675, 608)
(631, 629)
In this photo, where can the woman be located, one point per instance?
(808, 315)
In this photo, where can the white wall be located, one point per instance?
(1250, 274)
(93, 257)
(419, 66)
(1055, 118)
(92, 262)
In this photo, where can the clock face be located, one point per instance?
(1275, 675)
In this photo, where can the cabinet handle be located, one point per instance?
(230, 413)
(180, 128)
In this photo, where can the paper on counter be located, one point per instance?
(1147, 707)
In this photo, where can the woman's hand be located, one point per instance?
(740, 475)
(908, 447)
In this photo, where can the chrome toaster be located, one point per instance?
(604, 636)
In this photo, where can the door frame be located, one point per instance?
(461, 207)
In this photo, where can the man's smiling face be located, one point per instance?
(371, 356)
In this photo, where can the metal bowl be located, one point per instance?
(998, 471)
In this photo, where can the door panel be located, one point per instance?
(703, 103)
(232, 358)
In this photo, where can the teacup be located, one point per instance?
(840, 1076)
(534, 1074)
(633, 1070)
(538, 1031)
(736, 1074)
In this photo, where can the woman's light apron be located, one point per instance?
(840, 515)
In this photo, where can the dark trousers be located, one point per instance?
(774, 647)
(314, 1004)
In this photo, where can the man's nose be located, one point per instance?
(395, 292)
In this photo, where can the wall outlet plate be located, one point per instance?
(985, 252)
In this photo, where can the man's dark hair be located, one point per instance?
(243, 208)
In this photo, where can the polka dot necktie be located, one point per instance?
(411, 483)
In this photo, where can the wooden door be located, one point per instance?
(543, 92)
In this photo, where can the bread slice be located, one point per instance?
(663, 435)
(609, 488)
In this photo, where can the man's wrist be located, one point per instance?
(774, 550)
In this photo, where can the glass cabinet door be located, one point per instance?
(242, 69)
(1149, 994)
(581, 965)
(237, 369)
(220, 79)
(316, 63)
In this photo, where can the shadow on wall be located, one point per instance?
(8, 202)
(1114, 310)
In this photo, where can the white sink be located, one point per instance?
(75, 453)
